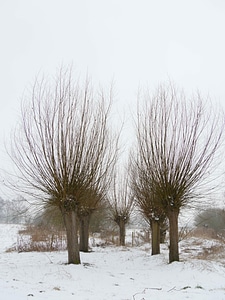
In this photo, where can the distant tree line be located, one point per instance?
(213, 218)
(14, 211)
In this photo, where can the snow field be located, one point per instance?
(119, 273)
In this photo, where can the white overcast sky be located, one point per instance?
(134, 42)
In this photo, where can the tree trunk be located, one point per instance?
(162, 235)
(174, 236)
(84, 231)
(71, 224)
(122, 224)
(155, 228)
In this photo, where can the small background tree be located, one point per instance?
(121, 203)
(85, 210)
(148, 205)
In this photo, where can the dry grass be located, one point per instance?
(203, 232)
(203, 243)
(211, 253)
(35, 238)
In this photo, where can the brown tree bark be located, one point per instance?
(84, 231)
(71, 224)
(122, 225)
(162, 235)
(174, 236)
(121, 221)
(155, 229)
(164, 226)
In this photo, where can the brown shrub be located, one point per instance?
(39, 238)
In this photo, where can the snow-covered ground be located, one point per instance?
(110, 273)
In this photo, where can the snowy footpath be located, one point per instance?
(106, 273)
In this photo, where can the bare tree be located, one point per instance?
(121, 203)
(85, 210)
(147, 203)
(63, 147)
(177, 141)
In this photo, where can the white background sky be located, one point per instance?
(136, 42)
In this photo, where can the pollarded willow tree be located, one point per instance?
(92, 200)
(63, 148)
(177, 140)
(147, 203)
(121, 203)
